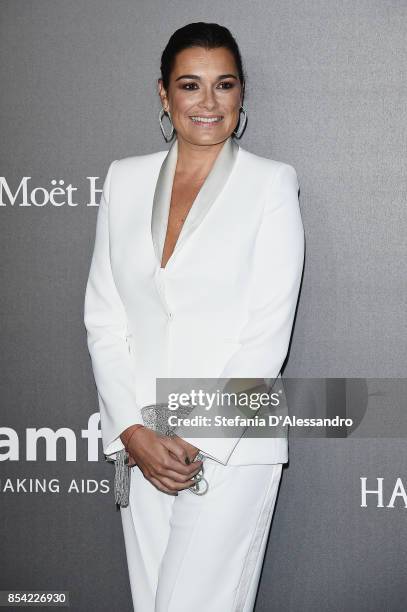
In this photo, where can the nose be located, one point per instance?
(208, 99)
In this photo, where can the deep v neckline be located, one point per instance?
(184, 220)
(209, 192)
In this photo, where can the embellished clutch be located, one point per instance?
(155, 417)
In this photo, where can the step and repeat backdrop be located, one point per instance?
(326, 92)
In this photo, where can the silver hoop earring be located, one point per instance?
(160, 119)
(242, 124)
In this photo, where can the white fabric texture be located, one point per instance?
(200, 553)
(223, 306)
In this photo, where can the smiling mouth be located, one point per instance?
(207, 121)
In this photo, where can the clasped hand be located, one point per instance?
(166, 461)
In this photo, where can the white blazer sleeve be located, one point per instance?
(277, 271)
(106, 324)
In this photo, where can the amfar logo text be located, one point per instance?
(10, 446)
(24, 196)
(376, 496)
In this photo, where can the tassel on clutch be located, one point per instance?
(121, 478)
(155, 417)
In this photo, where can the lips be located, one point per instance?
(206, 119)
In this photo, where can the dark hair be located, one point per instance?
(200, 34)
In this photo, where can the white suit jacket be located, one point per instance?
(223, 306)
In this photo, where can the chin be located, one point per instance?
(206, 139)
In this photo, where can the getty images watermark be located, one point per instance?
(199, 400)
(308, 407)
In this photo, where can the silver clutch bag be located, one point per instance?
(155, 417)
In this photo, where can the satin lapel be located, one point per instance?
(207, 195)
(162, 200)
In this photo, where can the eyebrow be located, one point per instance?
(195, 76)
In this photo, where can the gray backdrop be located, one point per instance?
(326, 92)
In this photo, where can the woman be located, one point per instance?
(195, 274)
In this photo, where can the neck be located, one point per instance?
(196, 160)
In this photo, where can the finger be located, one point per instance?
(178, 477)
(177, 449)
(175, 463)
(176, 486)
(176, 466)
(158, 485)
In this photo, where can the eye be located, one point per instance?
(226, 85)
(189, 86)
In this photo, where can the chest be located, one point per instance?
(184, 193)
(215, 247)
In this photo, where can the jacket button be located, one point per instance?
(170, 316)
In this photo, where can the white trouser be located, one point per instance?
(200, 553)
